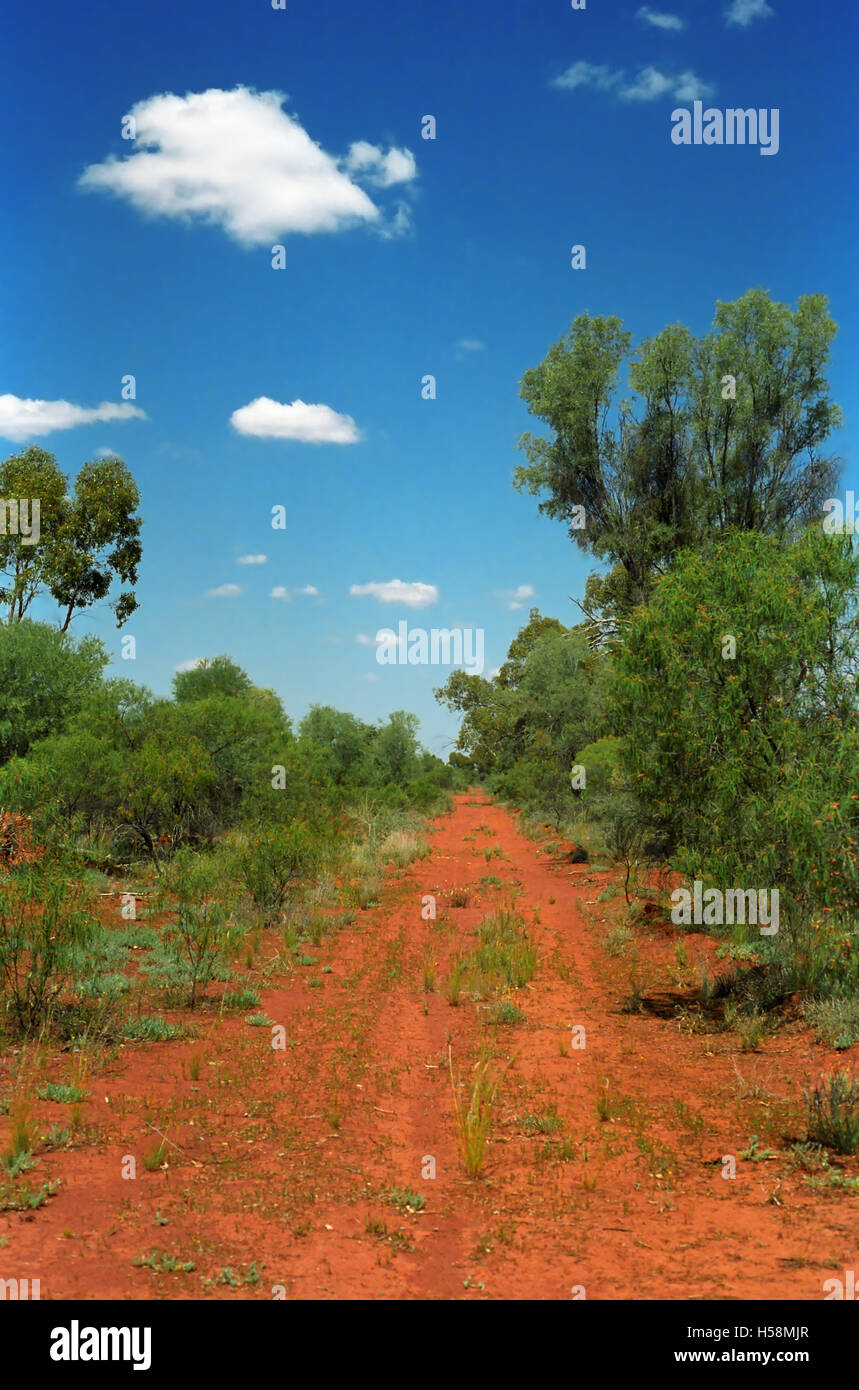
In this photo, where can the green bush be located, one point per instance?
(46, 930)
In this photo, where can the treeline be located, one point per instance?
(703, 712)
(104, 764)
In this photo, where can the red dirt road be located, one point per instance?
(604, 1169)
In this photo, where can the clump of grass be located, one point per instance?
(240, 999)
(459, 897)
(155, 1156)
(164, 1264)
(474, 1122)
(546, 1122)
(258, 1020)
(504, 1013)
(833, 1112)
(836, 1021)
(504, 956)
(429, 971)
(14, 1197)
(63, 1095)
(151, 1028)
(453, 988)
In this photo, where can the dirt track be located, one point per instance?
(604, 1164)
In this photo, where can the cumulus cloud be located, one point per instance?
(646, 85)
(190, 665)
(225, 591)
(280, 591)
(415, 595)
(237, 159)
(660, 19)
(252, 560)
(308, 424)
(23, 418)
(743, 12)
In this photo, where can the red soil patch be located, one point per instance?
(281, 1164)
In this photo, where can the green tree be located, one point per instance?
(725, 431)
(734, 694)
(45, 675)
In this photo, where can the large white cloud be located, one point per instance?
(743, 12)
(647, 85)
(239, 160)
(309, 424)
(415, 595)
(22, 418)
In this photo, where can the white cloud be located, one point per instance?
(383, 170)
(660, 19)
(22, 418)
(252, 560)
(396, 591)
(309, 424)
(190, 665)
(470, 345)
(743, 12)
(237, 159)
(583, 74)
(385, 637)
(647, 85)
(280, 591)
(225, 591)
(516, 597)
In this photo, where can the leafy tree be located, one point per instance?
(87, 539)
(45, 675)
(395, 749)
(32, 475)
(692, 453)
(216, 675)
(750, 753)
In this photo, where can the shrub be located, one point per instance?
(45, 929)
(833, 1112)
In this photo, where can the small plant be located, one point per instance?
(240, 999)
(473, 1123)
(459, 897)
(63, 1095)
(151, 1028)
(155, 1156)
(164, 1264)
(833, 1112)
(407, 1200)
(258, 1020)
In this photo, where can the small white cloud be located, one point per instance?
(237, 159)
(369, 676)
(583, 74)
(281, 592)
(396, 591)
(309, 591)
(646, 85)
(105, 454)
(515, 598)
(22, 418)
(307, 424)
(225, 591)
(383, 170)
(743, 12)
(252, 560)
(659, 19)
(190, 665)
(470, 345)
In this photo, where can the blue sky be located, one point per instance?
(404, 257)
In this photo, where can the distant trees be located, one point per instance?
(88, 538)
